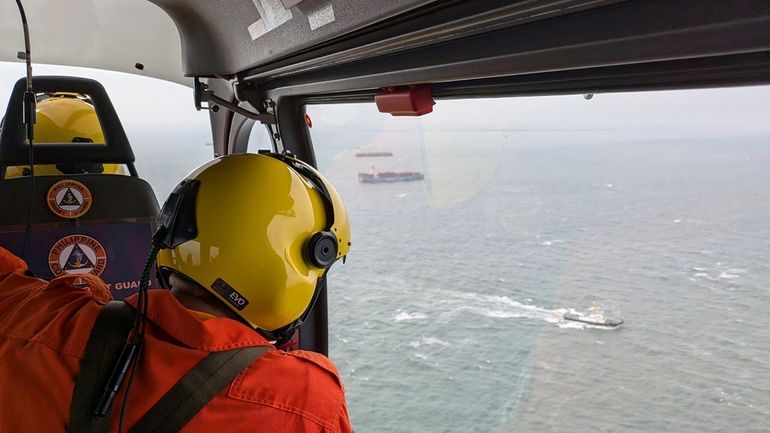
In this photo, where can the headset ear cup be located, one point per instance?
(322, 249)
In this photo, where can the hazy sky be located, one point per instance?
(169, 136)
(141, 102)
(727, 111)
(146, 104)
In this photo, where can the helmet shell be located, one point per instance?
(255, 216)
(64, 119)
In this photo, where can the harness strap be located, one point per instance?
(191, 394)
(176, 408)
(108, 336)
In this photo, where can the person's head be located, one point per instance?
(66, 118)
(258, 232)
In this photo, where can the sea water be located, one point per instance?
(447, 316)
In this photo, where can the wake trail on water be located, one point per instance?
(453, 304)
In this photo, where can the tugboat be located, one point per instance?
(595, 318)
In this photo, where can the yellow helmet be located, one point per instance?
(65, 118)
(258, 231)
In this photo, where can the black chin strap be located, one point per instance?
(282, 335)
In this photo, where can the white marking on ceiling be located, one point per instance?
(272, 14)
(321, 17)
(288, 4)
(257, 29)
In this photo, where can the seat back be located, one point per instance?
(75, 223)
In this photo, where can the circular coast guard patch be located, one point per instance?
(69, 199)
(77, 254)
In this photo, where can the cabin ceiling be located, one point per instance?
(348, 49)
(474, 47)
(112, 35)
(489, 47)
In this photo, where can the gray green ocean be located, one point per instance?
(447, 316)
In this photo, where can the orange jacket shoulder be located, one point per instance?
(315, 388)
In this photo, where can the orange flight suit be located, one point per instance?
(44, 328)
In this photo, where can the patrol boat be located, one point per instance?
(596, 318)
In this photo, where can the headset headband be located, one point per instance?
(178, 212)
(304, 170)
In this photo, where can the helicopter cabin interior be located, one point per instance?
(266, 63)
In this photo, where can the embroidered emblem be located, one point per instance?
(77, 254)
(69, 199)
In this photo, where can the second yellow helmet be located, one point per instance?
(65, 118)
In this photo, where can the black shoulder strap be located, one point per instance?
(193, 392)
(108, 336)
(176, 408)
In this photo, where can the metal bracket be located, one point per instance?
(201, 94)
(245, 91)
(275, 134)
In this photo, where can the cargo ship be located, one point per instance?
(365, 154)
(390, 176)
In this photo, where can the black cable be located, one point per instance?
(26, 44)
(140, 324)
(29, 121)
(142, 298)
(123, 404)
